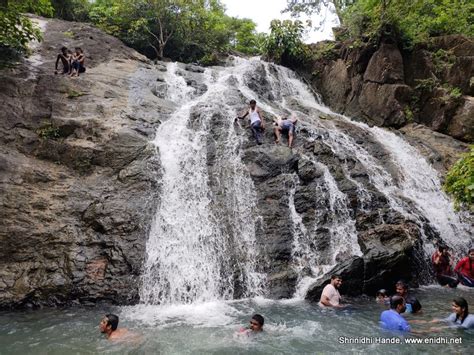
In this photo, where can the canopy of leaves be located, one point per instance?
(284, 44)
(413, 20)
(71, 10)
(460, 181)
(16, 30)
(180, 29)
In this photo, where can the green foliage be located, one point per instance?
(325, 50)
(71, 94)
(426, 84)
(71, 10)
(460, 180)
(408, 114)
(296, 7)
(16, 30)
(48, 131)
(442, 60)
(414, 20)
(180, 29)
(284, 44)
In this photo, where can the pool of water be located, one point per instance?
(211, 328)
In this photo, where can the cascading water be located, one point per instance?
(190, 255)
(203, 245)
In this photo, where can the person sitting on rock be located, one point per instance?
(257, 123)
(65, 60)
(412, 304)
(330, 297)
(285, 125)
(391, 319)
(108, 325)
(256, 325)
(78, 61)
(465, 269)
(441, 260)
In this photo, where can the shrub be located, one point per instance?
(460, 180)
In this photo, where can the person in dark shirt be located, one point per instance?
(412, 304)
(442, 266)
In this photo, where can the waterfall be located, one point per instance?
(203, 242)
(190, 255)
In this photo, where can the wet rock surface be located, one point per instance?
(386, 86)
(79, 178)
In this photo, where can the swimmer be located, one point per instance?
(108, 325)
(382, 297)
(256, 325)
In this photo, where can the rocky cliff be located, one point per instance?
(81, 180)
(430, 84)
(78, 175)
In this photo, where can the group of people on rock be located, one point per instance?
(282, 125)
(73, 62)
(401, 302)
(463, 273)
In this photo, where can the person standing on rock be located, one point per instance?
(285, 125)
(330, 297)
(465, 269)
(441, 260)
(257, 123)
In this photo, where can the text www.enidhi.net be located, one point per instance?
(396, 340)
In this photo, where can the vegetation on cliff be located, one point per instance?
(460, 181)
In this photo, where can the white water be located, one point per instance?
(203, 240)
(190, 256)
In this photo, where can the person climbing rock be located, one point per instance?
(257, 123)
(78, 61)
(442, 265)
(391, 319)
(330, 297)
(65, 59)
(108, 326)
(465, 269)
(412, 304)
(285, 125)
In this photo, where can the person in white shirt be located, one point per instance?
(330, 296)
(257, 123)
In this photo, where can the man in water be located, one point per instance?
(285, 125)
(257, 123)
(64, 57)
(441, 260)
(412, 304)
(465, 269)
(391, 319)
(256, 325)
(108, 325)
(382, 297)
(330, 297)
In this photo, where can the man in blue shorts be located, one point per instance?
(392, 319)
(285, 125)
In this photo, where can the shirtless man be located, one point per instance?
(65, 59)
(283, 125)
(108, 325)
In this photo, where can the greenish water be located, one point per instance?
(291, 327)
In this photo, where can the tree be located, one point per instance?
(284, 43)
(16, 29)
(71, 10)
(309, 7)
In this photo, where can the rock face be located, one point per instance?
(80, 177)
(72, 151)
(386, 86)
